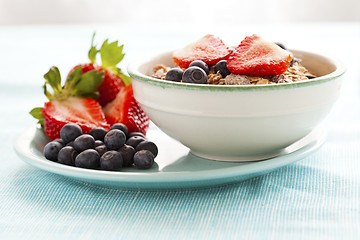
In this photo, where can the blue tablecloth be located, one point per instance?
(315, 198)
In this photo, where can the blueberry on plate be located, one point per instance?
(194, 75)
(143, 159)
(70, 131)
(111, 160)
(60, 141)
(127, 152)
(121, 127)
(174, 74)
(89, 158)
(83, 142)
(222, 68)
(101, 149)
(134, 141)
(114, 139)
(148, 145)
(200, 64)
(98, 143)
(51, 150)
(67, 156)
(136, 134)
(98, 133)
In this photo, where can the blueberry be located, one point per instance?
(127, 152)
(101, 149)
(114, 139)
(111, 160)
(98, 133)
(70, 144)
(59, 140)
(88, 159)
(51, 150)
(121, 127)
(67, 156)
(174, 74)
(143, 159)
(194, 75)
(98, 143)
(83, 142)
(148, 145)
(136, 134)
(200, 64)
(221, 68)
(70, 131)
(134, 141)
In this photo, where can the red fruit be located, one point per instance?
(125, 109)
(258, 57)
(110, 86)
(85, 112)
(209, 49)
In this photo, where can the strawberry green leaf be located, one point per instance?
(73, 79)
(52, 78)
(111, 54)
(93, 51)
(37, 114)
(126, 79)
(88, 84)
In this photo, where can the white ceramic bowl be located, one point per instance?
(238, 123)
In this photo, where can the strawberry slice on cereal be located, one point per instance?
(258, 57)
(209, 49)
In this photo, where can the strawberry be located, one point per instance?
(125, 109)
(72, 103)
(111, 54)
(209, 49)
(258, 57)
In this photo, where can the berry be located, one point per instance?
(101, 149)
(88, 159)
(143, 159)
(136, 134)
(134, 141)
(127, 152)
(70, 144)
(200, 64)
(126, 110)
(69, 132)
(59, 140)
(98, 143)
(222, 69)
(51, 150)
(114, 139)
(111, 160)
(98, 133)
(148, 145)
(83, 142)
(194, 75)
(257, 57)
(121, 127)
(67, 156)
(174, 74)
(71, 103)
(209, 49)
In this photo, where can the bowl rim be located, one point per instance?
(133, 70)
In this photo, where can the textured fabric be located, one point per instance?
(315, 198)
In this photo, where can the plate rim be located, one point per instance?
(162, 180)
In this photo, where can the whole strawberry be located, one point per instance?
(114, 80)
(74, 102)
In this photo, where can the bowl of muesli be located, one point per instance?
(264, 99)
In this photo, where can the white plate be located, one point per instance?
(175, 168)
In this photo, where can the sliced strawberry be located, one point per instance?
(209, 49)
(73, 102)
(258, 57)
(85, 112)
(125, 109)
(110, 87)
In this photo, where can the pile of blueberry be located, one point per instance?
(100, 149)
(196, 72)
